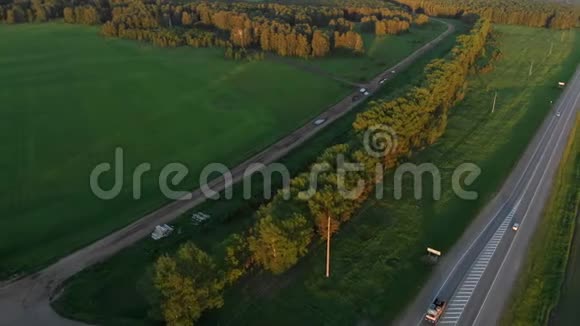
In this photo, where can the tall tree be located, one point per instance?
(320, 44)
(277, 244)
(188, 283)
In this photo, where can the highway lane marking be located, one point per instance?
(476, 271)
(538, 186)
(523, 174)
(513, 194)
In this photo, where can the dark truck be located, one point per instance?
(435, 311)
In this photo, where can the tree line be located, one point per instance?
(515, 12)
(287, 30)
(78, 12)
(285, 228)
(32, 11)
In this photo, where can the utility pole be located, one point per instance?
(494, 99)
(531, 68)
(328, 248)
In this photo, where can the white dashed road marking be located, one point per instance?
(463, 293)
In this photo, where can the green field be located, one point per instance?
(566, 311)
(69, 97)
(380, 54)
(551, 273)
(115, 301)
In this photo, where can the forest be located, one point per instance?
(514, 12)
(285, 228)
(287, 30)
(247, 30)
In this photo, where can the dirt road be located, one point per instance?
(27, 301)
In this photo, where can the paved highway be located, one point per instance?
(477, 275)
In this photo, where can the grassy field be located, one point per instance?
(380, 53)
(540, 283)
(566, 311)
(69, 97)
(114, 301)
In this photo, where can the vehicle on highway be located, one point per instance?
(393, 71)
(319, 122)
(362, 90)
(516, 226)
(367, 93)
(382, 81)
(435, 311)
(558, 114)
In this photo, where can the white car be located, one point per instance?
(319, 122)
(366, 93)
(382, 81)
(558, 114)
(516, 226)
(362, 90)
(161, 231)
(392, 71)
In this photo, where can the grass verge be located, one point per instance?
(540, 283)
